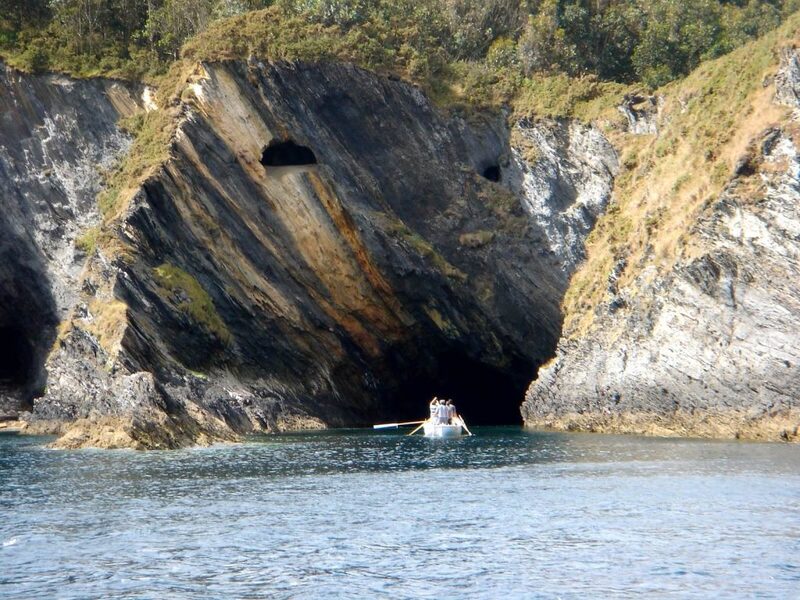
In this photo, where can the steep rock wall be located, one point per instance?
(410, 253)
(56, 137)
(709, 348)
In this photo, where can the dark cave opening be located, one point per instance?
(483, 394)
(492, 173)
(19, 371)
(16, 357)
(27, 324)
(287, 154)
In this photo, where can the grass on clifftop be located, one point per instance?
(667, 180)
(152, 132)
(405, 48)
(402, 45)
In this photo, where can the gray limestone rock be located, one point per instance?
(787, 79)
(709, 349)
(57, 135)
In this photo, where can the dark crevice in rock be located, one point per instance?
(27, 326)
(484, 394)
(492, 173)
(287, 154)
(16, 357)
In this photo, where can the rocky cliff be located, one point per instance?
(57, 135)
(705, 343)
(320, 246)
(291, 246)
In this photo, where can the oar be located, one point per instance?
(464, 425)
(418, 428)
(395, 425)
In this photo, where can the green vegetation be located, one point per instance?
(422, 247)
(87, 241)
(476, 239)
(191, 299)
(652, 41)
(666, 182)
(151, 132)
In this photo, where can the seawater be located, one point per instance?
(362, 514)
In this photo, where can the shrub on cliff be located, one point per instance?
(622, 40)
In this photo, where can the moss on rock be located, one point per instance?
(186, 293)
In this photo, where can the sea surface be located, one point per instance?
(362, 514)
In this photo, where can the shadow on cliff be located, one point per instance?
(28, 320)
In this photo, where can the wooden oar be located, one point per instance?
(464, 425)
(395, 425)
(418, 428)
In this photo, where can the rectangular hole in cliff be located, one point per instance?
(286, 154)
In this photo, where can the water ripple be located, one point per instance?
(358, 514)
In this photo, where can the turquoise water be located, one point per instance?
(360, 514)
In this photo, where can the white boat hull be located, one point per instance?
(434, 430)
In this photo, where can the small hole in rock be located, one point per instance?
(285, 154)
(492, 173)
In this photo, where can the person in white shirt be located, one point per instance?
(434, 409)
(441, 413)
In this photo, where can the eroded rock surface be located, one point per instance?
(710, 348)
(56, 137)
(324, 247)
(565, 172)
(642, 112)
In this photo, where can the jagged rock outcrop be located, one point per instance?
(56, 137)
(787, 79)
(641, 111)
(709, 348)
(323, 247)
(566, 173)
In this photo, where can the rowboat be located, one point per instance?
(442, 430)
(431, 429)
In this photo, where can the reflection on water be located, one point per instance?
(364, 514)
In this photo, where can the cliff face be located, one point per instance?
(323, 247)
(56, 136)
(708, 347)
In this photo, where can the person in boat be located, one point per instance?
(444, 413)
(437, 415)
(434, 409)
(451, 411)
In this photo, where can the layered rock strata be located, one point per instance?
(709, 348)
(57, 135)
(323, 247)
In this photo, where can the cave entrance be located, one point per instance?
(16, 357)
(492, 173)
(287, 154)
(19, 371)
(483, 394)
(28, 320)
